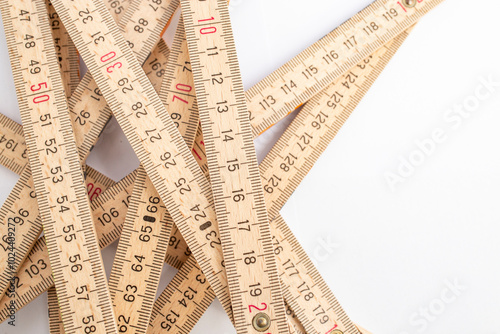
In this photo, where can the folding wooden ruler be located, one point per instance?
(57, 176)
(297, 272)
(20, 199)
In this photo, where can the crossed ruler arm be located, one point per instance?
(303, 289)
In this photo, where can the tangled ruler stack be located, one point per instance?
(215, 216)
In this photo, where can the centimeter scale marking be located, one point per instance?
(96, 184)
(91, 123)
(252, 273)
(139, 258)
(146, 232)
(141, 24)
(60, 191)
(290, 257)
(153, 135)
(66, 52)
(361, 65)
(177, 91)
(21, 204)
(12, 131)
(67, 56)
(320, 64)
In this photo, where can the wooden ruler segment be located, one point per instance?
(323, 62)
(372, 67)
(65, 51)
(183, 302)
(64, 207)
(177, 91)
(21, 209)
(89, 111)
(304, 289)
(21, 205)
(294, 321)
(13, 151)
(35, 275)
(96, 183)
(178, 250)
(200, 154)
(296, 268)
(317, 123)
(252, 274)
(153, 135)
(67, 56)
(55, 322)
(140, 257)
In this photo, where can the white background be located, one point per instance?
(390, 252)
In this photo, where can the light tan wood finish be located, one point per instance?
(317, 123)
(140, 257)
(67, 56)
(96, 183)
(290, 254)
(22, 197)
(326, 60)
(55, 322)
(57, 176)
(153, 136)
(35, 274)
(177, 91)
(13, 151)
(244, 229)
(174, 243)
(89, 111)
(65, 52)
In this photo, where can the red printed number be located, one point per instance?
(258, 309)
(40, 98)
(207, 30)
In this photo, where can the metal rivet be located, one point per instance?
(261, 322)
(336, 331)
(409, 3)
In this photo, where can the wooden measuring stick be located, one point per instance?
(14, 159)
(67, 56)
(317, 66)
(65, 210)
(317, 123)
(366, 73)
(66, 52)
(153, 135)
(176, 92)
(105, 215)
(96, 184)
(142, 24)
(146, 232)
(27, 206)
(21, 200)
(35, 275)
(140, 256)
(254, 286)
(199, 154)
(13, 151)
